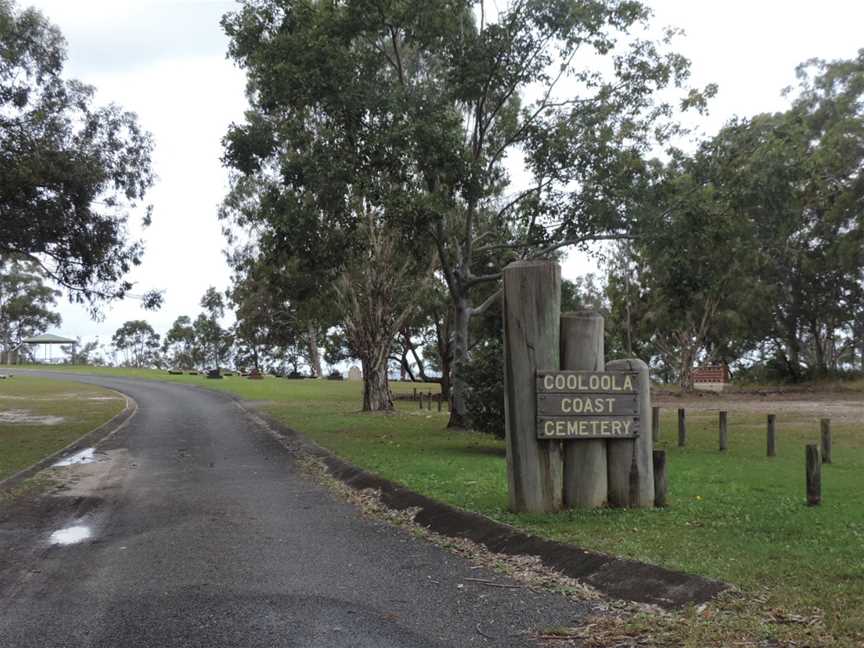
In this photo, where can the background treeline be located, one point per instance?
(396, 156)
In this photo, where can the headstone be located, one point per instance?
(214, 374)
(255, 375)
(354, 373)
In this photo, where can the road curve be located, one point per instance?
(204, 532)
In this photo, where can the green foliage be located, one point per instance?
(484, 376)
(69, 171)
(26, 304)
(139, 342)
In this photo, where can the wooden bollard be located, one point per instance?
(660, 483)
(826, 440)
(724, 433)
(414, 397)
(532, 329)
(429, 402)
(631, 468)
(439, 401)
(772, 435)
(655, 423)
(421, 400)
(814, 475)
(682, 427)
(585, 480)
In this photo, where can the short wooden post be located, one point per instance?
(439, 401)
(421, 400)
(772, 435)
(724, 433)
(532, 328)
(414, 397)
(826, 440)
(682, 427)
(660, 483)
(630, 464)
(429, 402)
(814, 475)
(655, 423)
(585, 477)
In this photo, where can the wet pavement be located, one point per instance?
(195, 527)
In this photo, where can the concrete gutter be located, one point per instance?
(115, 423)
(618, 578)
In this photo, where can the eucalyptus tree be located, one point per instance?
(139, 342)
(423, 102)
(26, 303)
(70, 171)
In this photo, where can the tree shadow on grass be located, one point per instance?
(484, 451)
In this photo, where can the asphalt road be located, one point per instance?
(203, 531)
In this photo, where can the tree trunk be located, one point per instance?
(685, 369)
(314, 354)
(458, 410)
(376, 387)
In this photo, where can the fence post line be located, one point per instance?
(585, 467)
(772, 435)
(682, 427)
(532, 329)
(825, 424)
(724, 433)
(814, 475)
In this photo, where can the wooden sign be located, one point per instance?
(587, 405)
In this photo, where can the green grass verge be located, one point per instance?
(737, 516)
(39, 417)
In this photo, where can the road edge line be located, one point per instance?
(91, 438)
(619, 578)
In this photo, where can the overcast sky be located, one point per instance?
(165, 60)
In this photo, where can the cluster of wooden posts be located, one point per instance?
(547, 474)
(815, 454)
(420, 397)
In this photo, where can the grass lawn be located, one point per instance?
(39, 417)
(737, 516)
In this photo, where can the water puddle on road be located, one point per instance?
(71, 535)
(84, 457)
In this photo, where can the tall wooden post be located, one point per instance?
(682, 427)
(655, 423)
(661, 485)
(772, 435)
(630, 461)
(814, 475)
(724, 433)
(826, 440)
(532, 314)
(584, 459)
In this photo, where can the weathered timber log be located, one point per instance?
(724, 433)
(661, 484)
(532, 314)
(825, 424)
(585, 472)
(814, 475)
(629, 461)
(772, 435)
(682, 427)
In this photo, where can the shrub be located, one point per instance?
(484, 376)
